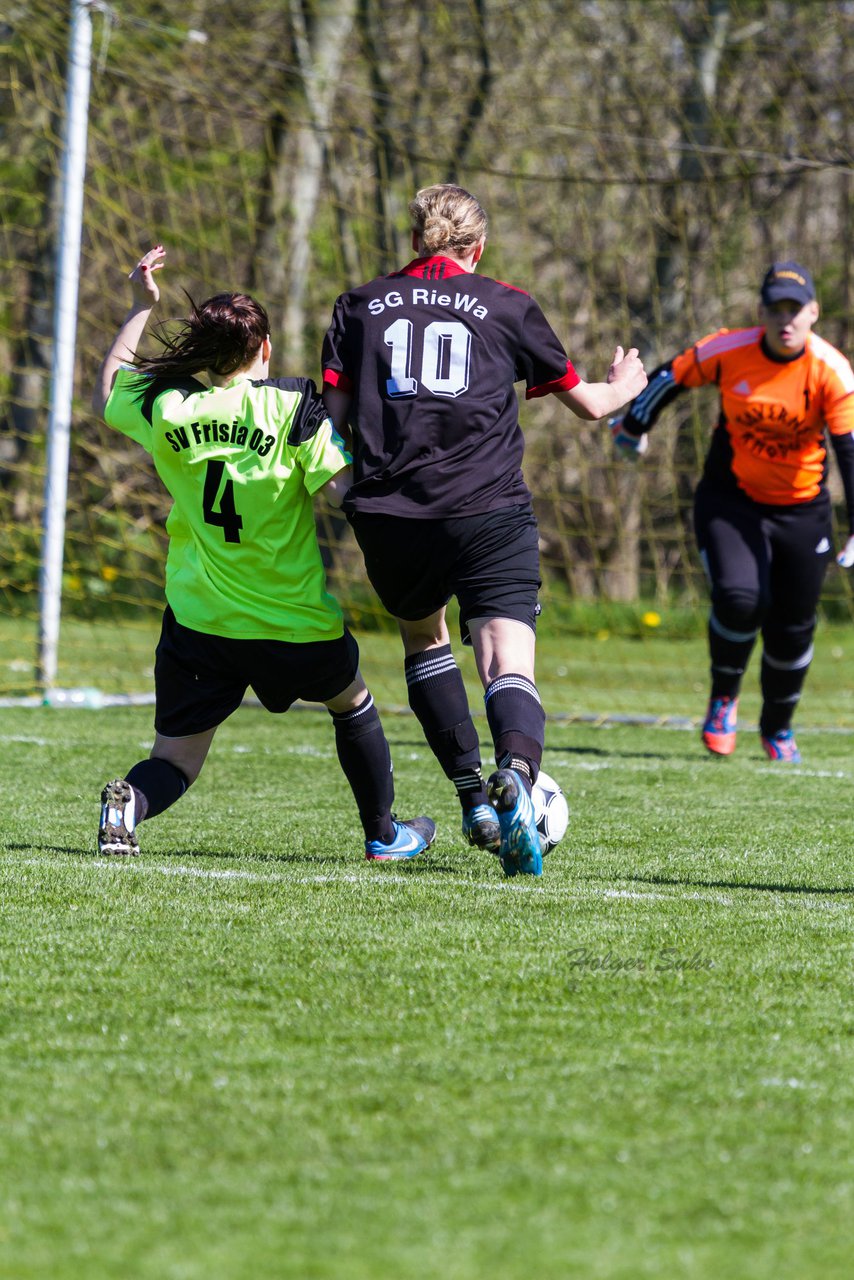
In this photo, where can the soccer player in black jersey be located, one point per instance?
(421, 364)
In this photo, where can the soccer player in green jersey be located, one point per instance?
(241, 454)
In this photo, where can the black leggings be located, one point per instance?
(766, 566)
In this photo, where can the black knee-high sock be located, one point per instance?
(437, 696)
(366, 761)
(729, 649)
(782, 680)
(157, 784)
(518, 724)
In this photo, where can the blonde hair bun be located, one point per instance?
(448, 219)
(438, 233)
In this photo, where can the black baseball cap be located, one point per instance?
(787, 280)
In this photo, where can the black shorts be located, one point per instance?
(490, 562)
(199, 679)
(775, 555)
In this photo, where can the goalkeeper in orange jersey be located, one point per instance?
(241, 455)
(762, 511)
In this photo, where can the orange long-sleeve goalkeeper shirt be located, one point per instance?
(773, 412)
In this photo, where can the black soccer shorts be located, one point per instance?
(199, 679)
(490, 562)
(770, 560)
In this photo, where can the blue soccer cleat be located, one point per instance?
(782, 747)
(481, 828)
(520, 852)
(410, 839)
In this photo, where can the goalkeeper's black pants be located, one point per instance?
(766, 566)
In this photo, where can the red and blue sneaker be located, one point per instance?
(481, 828)
(781, 746)
(410, 839)
(519, 852)
(719, 726)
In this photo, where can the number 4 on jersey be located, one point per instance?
(226, 518)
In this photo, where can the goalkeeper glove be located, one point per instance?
(846, 555)
(627, 446)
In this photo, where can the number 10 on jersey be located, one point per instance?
(445, 358)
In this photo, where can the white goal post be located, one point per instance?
(75, 129)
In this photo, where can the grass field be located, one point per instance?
(248, 1053)
(658, 672)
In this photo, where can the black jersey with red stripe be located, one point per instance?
(430, 356)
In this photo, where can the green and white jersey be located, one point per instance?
(241, 463)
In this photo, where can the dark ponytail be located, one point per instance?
(222, 335)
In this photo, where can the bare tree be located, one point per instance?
(296, 163)
(30, 350)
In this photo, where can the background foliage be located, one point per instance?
(640, 162)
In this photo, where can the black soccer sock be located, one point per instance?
(365, 759)
(518, 724)
(437, 696)
(157, 784)
(782, 680)
(729, 649)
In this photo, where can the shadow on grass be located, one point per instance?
(420, 866)
(51, 848)
(609, 753)
(694, 883)
(410, 866)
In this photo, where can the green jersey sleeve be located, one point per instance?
(130, 404)
(322, 456)
(124, 408)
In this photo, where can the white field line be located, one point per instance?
(133, 865)
(601, 720)
(565, 768)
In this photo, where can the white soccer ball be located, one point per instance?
(551, 811)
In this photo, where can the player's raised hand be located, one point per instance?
(627, 446)
(627, 372)
(142, 277)
(846, 555)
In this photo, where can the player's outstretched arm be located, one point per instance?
(629, 428)
(843, 447)
(123, 347)
(627, 445)
(594, 400)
